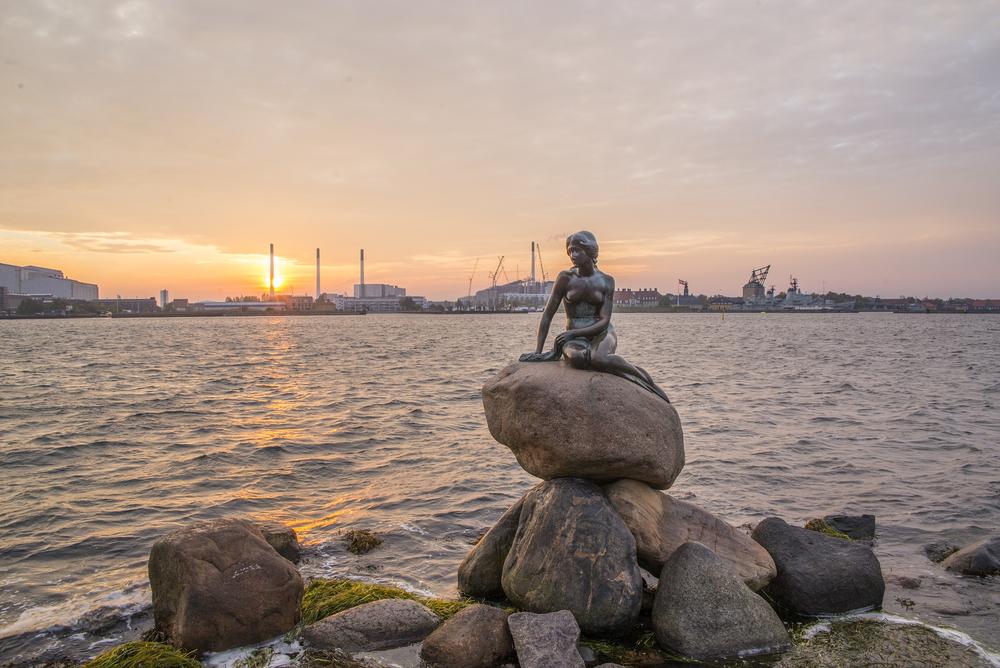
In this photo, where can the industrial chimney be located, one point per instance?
(317, 274)
(270, 283)
(362, 295)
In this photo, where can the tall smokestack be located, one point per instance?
(362, 273)
(532, 261)
(317, 274)
(270, 283)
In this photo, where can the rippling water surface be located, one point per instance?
(113, 432)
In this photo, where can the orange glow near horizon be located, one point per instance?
(279, 280)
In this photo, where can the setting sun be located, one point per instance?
(278, 278)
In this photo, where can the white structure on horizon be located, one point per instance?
(43, 282)
(164, 298)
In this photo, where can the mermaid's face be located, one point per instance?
(577, 255)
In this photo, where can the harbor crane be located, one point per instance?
(493, 282)
(538, 249)
(684, 284)
(472, 275)
(759, 275)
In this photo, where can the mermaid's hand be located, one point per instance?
(539, 357)
(563, 337)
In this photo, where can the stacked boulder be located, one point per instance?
(599, 526)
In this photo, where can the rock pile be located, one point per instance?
(578, 544)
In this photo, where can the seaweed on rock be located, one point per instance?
(141, 654)
(824, 527)
(323, 598)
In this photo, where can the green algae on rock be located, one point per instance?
(323, 598)
(822, 526)
(141, 654)
(361, 541)
(871, 642)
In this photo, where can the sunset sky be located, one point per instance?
(854, 144)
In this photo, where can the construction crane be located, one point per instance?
(538, 249)
(493, 282)
(759, 275)
(474, 267)
(682, 282)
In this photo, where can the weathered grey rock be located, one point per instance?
(373, 626)
(610, 665)
(817, 574)
(572, 552)
(284, 541)
(649, 585)
(982, 558)
(703, 610)
(588, 655)
(661, 524)
(940, 550)
(219, 585)
(476, 637)
(479, 573)
(546, 641)
(565, 422)
(857, 527)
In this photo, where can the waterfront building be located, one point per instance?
(516, 294)
(239, 306)
(119, 305)
(41, 282)
(642, 297)
(374, 304)
(164, 298)
(296, 302)
(376, 290)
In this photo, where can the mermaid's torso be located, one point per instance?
(583, 302)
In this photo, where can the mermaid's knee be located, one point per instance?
(577, 356)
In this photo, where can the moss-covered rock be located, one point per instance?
(824, 527)
(323, 598)
(143, 654)
(361, 541)
(875, 643)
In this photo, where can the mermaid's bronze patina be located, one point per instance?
(589, 341)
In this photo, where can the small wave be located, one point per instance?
(413, 528)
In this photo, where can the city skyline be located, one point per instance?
(164, 145)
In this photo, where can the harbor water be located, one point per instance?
(115, 431)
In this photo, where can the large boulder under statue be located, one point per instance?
(220, 585)
(565, 422)
(572, 552)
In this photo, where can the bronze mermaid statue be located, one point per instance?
(588, 295)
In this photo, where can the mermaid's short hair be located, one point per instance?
(585, 240)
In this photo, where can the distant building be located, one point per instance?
(373, 304)
(640, 297)
(238, 306)
(366, 290)
(164, 298)
(515, 294)
(118, 305)
(178, 306)
(296, 302)
(31, 281)
(985, 305)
